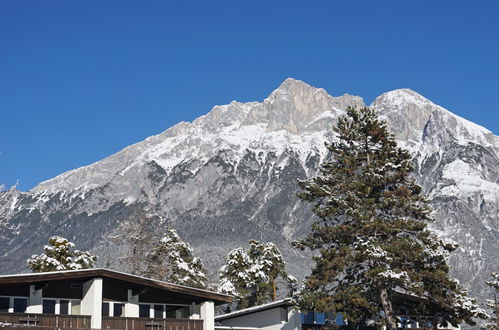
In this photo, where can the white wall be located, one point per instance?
(34, 301)
(270, 319)
(91, 304)
(207, 311)
(132, 305)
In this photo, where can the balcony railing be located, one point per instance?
(43, 321)
(29, 321)
(139, 323)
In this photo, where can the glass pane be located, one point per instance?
(48, 306)
(118, 309)
(158, 311)
(170, 312)
(64, 307)
(184, 312)
(144, 310)
(4, 304)
(20, 305)
(75, 307)
(105, 309)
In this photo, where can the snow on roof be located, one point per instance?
(275, 304)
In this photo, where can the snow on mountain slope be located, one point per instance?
(293, 116)
(230, 176)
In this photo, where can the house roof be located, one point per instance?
(32, 278)
(287, 302)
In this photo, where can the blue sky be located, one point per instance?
(80, 80)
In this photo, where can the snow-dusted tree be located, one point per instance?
(372, 234)
(155, 250)
(251, 276)
(59, 255)
(493, 321)
(172, 259)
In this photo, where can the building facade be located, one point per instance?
(102, 298)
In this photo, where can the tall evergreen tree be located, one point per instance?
(372, 234)
(251, 276)
(60, 255)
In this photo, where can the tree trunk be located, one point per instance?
(274, 291)
(434, 323)
(391, 323)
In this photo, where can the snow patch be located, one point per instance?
(468, 181)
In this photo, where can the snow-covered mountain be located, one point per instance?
(230, 176)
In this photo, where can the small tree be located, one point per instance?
(252, 276)
(372, 234)
(59, 255)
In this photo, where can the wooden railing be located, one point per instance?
(43, 321)
(139, 323)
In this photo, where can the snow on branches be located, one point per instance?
(154, 249)
(372, 233)
(251, 275)
(493, 304)
(173, 260)
(59, 255)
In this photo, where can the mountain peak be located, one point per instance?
(292, 86)
(402, 97)
(295, 104)
(292, 82)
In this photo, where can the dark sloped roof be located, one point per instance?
(33, 278)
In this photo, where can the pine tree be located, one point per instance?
(493, 322)
(172, 259)
(372, 235)
(155, 250)
(59, 255)
(252, 276)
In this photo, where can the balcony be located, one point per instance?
(64, 322)
(138, 323)
(43, 321)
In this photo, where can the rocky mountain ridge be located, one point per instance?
(230, 176)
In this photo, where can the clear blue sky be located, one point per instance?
(81, 79)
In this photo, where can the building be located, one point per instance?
(282, 315)
(101, 298)
(272, 316)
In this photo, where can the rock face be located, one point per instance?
(230, 176)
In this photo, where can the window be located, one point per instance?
(64, 307)
(48, 306)
(119, 309)
(113, 309)
(158, 311)
(183, 312)
(20, 305)
(4, 304)
(144, 310)
(60, 306)
(161, 311)
(105, 309)
(171, 312)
